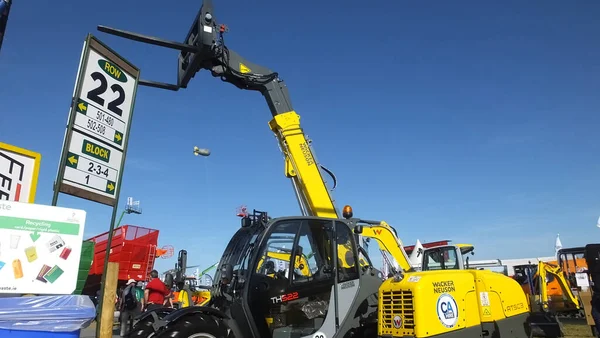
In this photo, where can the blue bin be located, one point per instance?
(38, 334)
(45, 316)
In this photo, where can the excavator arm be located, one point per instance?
(543, 270)
(388, 241)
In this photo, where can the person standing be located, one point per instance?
(139, 295)
(129, 307)
(155, 293)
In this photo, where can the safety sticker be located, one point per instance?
(484, 298)
(487, 312)
(414, 279)
(447, 310)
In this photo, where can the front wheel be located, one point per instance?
(144, 328)
(196, 325)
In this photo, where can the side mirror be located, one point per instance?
(226, 273)
(358, 229)
(169, 280)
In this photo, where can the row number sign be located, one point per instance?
(99, 124)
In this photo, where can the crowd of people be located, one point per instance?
(135, 299)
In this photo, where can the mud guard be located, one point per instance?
(194, 309)
(153, 313)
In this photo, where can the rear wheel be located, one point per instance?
(197, 325)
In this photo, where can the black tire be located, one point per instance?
(196, 325)
(143, 328)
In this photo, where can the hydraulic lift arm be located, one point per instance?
(205, 48)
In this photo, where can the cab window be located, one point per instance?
(440, 259)
(347, 260)
(274, 259)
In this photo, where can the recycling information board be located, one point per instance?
(99, 124)
(40, 248)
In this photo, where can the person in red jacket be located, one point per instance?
(155, 292)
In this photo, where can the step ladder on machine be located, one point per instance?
(150, 262)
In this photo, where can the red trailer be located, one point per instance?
(133, 247)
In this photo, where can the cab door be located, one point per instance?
(295, 298)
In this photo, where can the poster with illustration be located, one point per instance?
(40, 248)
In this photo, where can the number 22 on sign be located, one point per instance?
(104, 85)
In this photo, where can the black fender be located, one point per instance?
(173, 316)
(162, 310)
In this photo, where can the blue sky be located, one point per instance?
(467, 120)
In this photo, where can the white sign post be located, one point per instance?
(96, 140)
(95, 144)
(40, 248)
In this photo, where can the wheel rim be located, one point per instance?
(199, 335)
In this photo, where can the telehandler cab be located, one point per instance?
(246, 302)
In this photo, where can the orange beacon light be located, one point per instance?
(347, 212)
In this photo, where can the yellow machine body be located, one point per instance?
(197, 297)
(452, 302)
(299, 264)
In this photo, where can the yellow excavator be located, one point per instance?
(339, 298)
(546, 272)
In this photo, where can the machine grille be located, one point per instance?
(398, 302)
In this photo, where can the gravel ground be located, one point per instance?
(577, 330)
(90, 332)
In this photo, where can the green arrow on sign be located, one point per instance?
(72, 160)
(118, 138)
(34, 236)
(82, 107)
(110, 187)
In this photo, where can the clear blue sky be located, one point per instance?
(467, 120)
